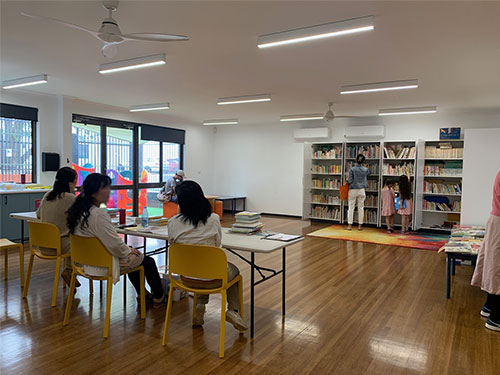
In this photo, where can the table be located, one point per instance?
(451, 258)
(24, 216)
(233, 200)
(211, 199)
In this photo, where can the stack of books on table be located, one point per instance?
(247, 222)
(158, 221)
(465, 239)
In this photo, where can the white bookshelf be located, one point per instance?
(440, 166)
(398, 158)
(323, 167)
(351, 149)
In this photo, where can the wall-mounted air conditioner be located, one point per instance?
(360, 133)
(311, 133)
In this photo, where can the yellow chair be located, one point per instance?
(204, 262)
(5, 245)
(45, 235)
(90, 251)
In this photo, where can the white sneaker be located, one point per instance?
(199, 314)
(235, 319)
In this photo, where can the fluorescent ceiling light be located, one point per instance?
(407, 111)
(221, 122)
(380, 86)
(325, 30)
(149, 107)
(313, 116)
(244, 99)
(26, 81)
(137, 63)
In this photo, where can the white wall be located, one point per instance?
(265, 163)
(481, 165)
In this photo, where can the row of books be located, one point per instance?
(436, 206)
(325, 212)
(247, 222)
(465, 239)
(440, 170)
(369, 151)
(372, 185)
(467, 232)
(325, 198)
(369, 215)
(326, 183)
(333, 168)
(399, 152)
(373, 167)
(328, 152)
(371, 200)
(398, 170)
(444, 150)
(441, 188)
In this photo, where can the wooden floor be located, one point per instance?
(352, 308)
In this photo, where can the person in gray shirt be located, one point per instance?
(167, 193)
(357, 182)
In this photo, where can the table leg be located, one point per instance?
(283, 283)
(453, 267)
(448, 276)
(125, 238)
(252, 286)
(22, 233)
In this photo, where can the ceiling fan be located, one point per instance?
(110, 34)
(330, 116)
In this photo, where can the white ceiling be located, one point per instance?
(453, 48)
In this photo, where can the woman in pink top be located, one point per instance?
(388, 208)
(487, 272)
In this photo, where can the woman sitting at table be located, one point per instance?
(197, 225)
(86, 219)
(53, 210)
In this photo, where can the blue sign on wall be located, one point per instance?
(449, 133)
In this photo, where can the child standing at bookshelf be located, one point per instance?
(388, 208)
(406, 204)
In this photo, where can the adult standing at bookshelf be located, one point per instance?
(487, 272)
(358, 182)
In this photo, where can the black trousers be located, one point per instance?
(151, 275)
(493, 303)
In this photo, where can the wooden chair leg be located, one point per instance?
(28, 275)
(143, 293)
(109, 287)
(167, 315)
(69, 301)
(56, 281)
(6, 263)
(21, 264)
(222, 323)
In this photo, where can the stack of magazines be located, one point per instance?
(247, 222)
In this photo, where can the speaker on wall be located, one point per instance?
(50, 161)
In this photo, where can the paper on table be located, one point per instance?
(283, 237)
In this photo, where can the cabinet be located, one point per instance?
(16, 202)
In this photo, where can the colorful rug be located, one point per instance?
(422, 241)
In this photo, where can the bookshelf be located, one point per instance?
(372, 153)
(323, 171)
(440, 187)
(398, 158)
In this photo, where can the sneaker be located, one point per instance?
(494, 326)
(235, 319)
(198, 315)
(485, 312)
(66, 276)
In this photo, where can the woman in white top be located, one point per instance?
(53, 210)
(86, 219)
(197, 225)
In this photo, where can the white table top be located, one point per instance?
(233, 241)
(24, 191)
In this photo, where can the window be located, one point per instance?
(86, 144)
(119, 155)
(171, 159)
(17, 143)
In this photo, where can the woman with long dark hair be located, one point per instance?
(406, 202)
(87, 219)
(53, 210)
(197, 225)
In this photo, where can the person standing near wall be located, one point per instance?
(487, 272)
(357, 182)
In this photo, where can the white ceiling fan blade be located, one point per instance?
(81, 28)
(155, 37)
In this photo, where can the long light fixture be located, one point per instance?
(136, 63)
(244, 99)
(221, 122)
(149, 107)
(26, 81)
(380, 86)
(307, 117)
(407, 111)
(325, 30)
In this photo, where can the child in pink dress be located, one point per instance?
(388, 208)
(405, 195)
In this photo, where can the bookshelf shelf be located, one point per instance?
(442, 212)
(327, 174)
(324, 218)
(315, 188)
(339, 159)
(443, 194)
(326, 204)
(447, 176)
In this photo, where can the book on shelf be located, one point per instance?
(325, 199)
(441, 206)
(373, 167)
(450, 168)
(324, 212)
(369, 215)
(326, 183)
(444, 150)
(327, 169)
(399, 152)
(328, 152)
(407, 169)
(442, 188)
(369, 151)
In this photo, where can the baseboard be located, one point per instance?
(281, 215)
